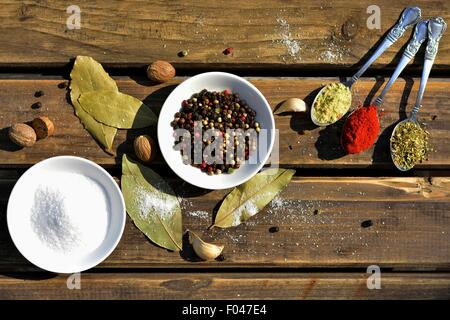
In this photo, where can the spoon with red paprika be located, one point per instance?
(409, 17)
(435, 29)
(362, 126)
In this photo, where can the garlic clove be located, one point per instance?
(292, 105)
(205, 250)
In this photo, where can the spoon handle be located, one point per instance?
(409, 17)
(436, 28)
(420, 34)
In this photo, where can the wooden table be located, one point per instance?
(287, 49)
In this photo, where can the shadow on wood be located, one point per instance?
(5, 143)
(9, 255)
(188, 252)
(328, 143)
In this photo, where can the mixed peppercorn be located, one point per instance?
(221, 111)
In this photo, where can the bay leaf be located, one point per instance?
(251, 197)
(152, 204)
(117, 109)
(88, 75)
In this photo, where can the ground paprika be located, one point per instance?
(361, 130)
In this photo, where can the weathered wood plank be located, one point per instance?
(207, 286)
(301, 143)
(264, 34)
(320, 224)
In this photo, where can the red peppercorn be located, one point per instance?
(228, 51)
(227, 91)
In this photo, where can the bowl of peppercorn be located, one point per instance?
(216, 130)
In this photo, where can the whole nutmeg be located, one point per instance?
(43, 127)
(160, 71)
(144, 148)
(22, 134)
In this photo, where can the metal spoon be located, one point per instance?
(436, 28)
(409, 17)
(419, 36)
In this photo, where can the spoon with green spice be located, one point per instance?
(409, 141)
(334, 100)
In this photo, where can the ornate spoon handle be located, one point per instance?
(409, 17)
(420, 34)
(436, 28)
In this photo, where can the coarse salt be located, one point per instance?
(70, 213)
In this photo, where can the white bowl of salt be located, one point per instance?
(66, 214)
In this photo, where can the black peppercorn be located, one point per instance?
(39, 94)
(366, 223)
(274, 229)
(36, 105)
(221, 257)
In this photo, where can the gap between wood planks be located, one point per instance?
(14, 173)
(21, 72)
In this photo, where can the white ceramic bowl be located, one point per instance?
(214, 81)
(19, 214)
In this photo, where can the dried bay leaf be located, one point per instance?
(251, 197)
(117, 109)
(103, 134)
(88, 75)
(152, 205)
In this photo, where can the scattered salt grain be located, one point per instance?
(248, 207)
(156, 202)
(334, 51)
(292, 46)
(199, 214)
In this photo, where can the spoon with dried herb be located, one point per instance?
(334, 100)
(409, 141)
(409, 145)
